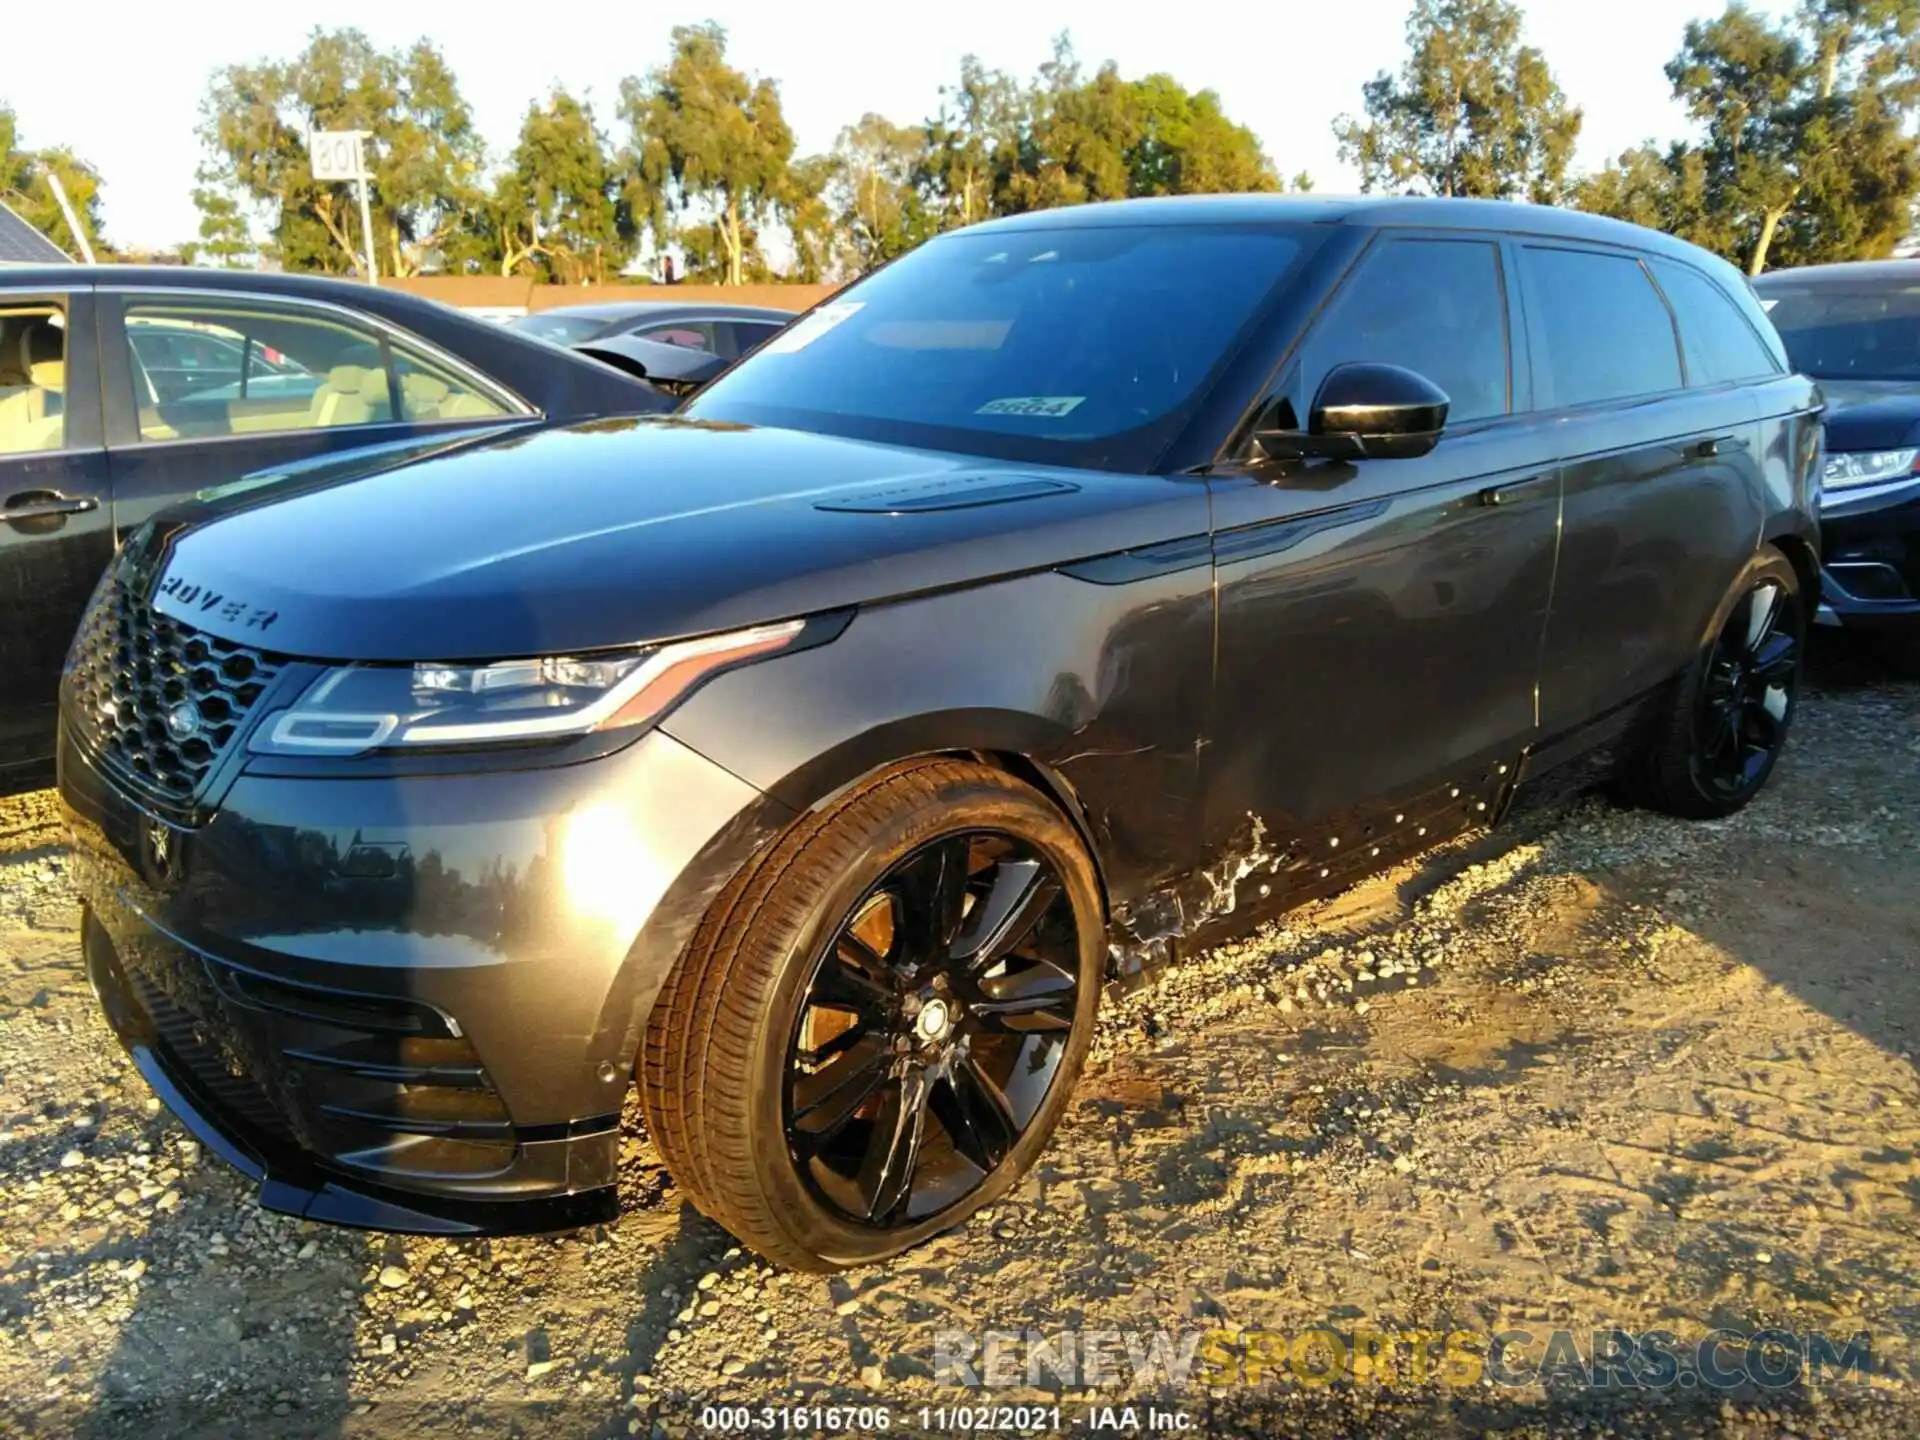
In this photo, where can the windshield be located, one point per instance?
(1081, 346)
(1835, 334)
(560, 329)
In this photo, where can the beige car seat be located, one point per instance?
(350, 395)
(430, 398)
(33, 412)
(424, 395)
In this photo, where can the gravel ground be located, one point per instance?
(1598, 1070)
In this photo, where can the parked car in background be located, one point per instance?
(1075, 590)
(726, 331)
(125, 389)
(1856, 329)
(672, 369)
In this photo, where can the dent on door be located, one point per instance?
(1375, 682)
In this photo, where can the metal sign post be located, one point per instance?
(341, 155)
(73, 220)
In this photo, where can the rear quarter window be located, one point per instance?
(1720, 344)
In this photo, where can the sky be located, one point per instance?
(1286, 69)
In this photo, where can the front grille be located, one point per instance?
(155, 699)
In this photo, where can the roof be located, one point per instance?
(665, 309)
(1853, 272)
(353, 294)
(21, 244)
(1510, 216)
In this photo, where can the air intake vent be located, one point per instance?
(961, 494)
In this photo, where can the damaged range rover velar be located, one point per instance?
(1070, 591)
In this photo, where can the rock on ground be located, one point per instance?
(1598, 1069)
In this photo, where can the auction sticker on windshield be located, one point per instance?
(1031, 405)
(803, 333)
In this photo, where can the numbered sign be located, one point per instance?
(336, 154)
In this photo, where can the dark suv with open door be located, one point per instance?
(1075, 590)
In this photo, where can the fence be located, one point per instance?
(521, 294)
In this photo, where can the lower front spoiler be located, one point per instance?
(291, 1182)
(1841, 608)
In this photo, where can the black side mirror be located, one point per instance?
(1364, 411)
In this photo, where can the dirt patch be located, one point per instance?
(1600, 1070)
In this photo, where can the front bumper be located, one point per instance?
(408, 1002)
(1870, 556)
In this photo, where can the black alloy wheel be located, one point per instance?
(1747, 691)
(1726, 722)
(879, 1021)
(932, 1029)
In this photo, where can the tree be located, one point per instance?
(557, 206)
(24, 187)
(1663, 190)
(1806, 152)
(1065, 138)
(425, 155)
(1077, 139)
(1186, 145)
(807, 203)
(706, 135)
(225, 240)
(972, 144)
(878, 209)
(1472, 111)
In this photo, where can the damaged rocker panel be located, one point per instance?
(1277, 865)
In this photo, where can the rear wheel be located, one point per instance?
(1729, 718)
(876, 1026)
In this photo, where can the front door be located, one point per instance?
(56, 533)
(1380, 620)
(202, 389)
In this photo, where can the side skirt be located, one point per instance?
(1274, 868)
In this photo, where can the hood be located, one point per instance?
(614, 532)
(651, 360)
(1871, 414)
(332, 466)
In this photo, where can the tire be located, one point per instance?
(818, 981)
(1725, 726)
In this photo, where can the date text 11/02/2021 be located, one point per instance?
(942, 1419)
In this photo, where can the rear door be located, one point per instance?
(276, 380)
(56, 532)
(1660, 503)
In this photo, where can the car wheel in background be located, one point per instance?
(1725, 727)
(878, 1023)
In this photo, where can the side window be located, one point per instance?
(1435, 306)
(1606, 332)
(687, 334)
(750, 335)
(33, 379)
(430, 392)
(281, 369)
(1720, 344)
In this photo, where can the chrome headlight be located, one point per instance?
(1864, 467)
(357, 708)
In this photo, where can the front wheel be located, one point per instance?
(1728, 720)
(878, 1023)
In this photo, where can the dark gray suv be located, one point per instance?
(1071, 592)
